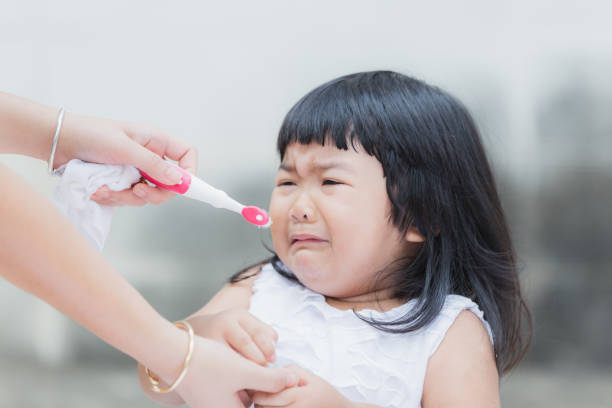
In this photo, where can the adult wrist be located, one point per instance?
(155, 382)
(58, 129)
(163, 351)
(64, 149)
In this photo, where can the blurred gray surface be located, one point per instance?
(95, 385)
(222, 76)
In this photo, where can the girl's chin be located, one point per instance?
(305, 259)
(313, 276)
(307, 271)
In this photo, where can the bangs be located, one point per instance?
(340, 112)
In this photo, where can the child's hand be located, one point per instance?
(241, 331)
(311, 391)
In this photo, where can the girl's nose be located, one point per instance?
(302, 210)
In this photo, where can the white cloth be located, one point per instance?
(364, 363)
(78, 182)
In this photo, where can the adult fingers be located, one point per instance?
(152, 164)
(303, 375)
(185, 155)
(139, 194)
(164, 145)
(105, 196)
(177, 150)
(280, 399)
(263, 335)
(240, 340)
(152, 195)
(266, 379)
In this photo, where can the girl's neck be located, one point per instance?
(380, 300)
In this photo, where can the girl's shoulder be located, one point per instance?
(461, 366)
(457, 311)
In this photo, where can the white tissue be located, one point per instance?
(78, 182)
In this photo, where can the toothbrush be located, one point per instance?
(196, 188)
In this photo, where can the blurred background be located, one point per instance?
(221, 75)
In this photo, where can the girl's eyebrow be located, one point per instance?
(320, 165)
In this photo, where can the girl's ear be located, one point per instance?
(413, 235)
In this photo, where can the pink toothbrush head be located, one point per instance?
(256, 216)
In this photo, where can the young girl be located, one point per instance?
(393, 281)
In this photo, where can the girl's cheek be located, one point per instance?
(276, 205)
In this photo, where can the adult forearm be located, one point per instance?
(44, 255)
(26, 127)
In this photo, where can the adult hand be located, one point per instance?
(218, 377)
(115, 142)
(311, 392)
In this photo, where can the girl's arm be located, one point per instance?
(232, 295)
(462, 371)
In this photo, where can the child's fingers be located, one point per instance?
(280, 399)
(256, 324)
(264, 336)
(242, 342)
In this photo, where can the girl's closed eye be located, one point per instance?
(331, 182)
(325, 182)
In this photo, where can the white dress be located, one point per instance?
(364, 363)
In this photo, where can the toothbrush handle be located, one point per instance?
(180, 188)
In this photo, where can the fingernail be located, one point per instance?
(139, 192)
(173, 175)
(272, 358)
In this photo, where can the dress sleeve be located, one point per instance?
(453, 305)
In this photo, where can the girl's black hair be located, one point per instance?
(439, 180)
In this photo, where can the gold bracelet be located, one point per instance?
(155, 381)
